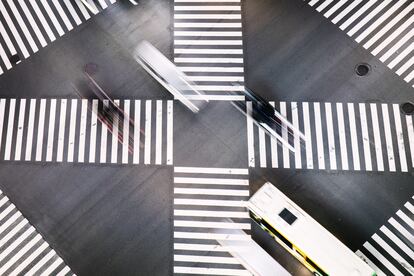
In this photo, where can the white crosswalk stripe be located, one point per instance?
(204, 198)
(208, 45)
(22, 249)
(25, 23)
(390, 250)
(336, 134)
(383, 27)
(69, 130)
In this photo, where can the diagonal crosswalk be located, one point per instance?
(69, 130)
(26, 26)
(390, 250)
(383, 27)
(203, 197)
(340, 136)
(208, 45)
(23, 251)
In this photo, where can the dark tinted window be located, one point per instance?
(287, 216)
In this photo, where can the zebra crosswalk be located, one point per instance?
(29, 25)
(340, 136)
(69, 130)
(203, 198)
(383, 27)
(23, 251)
(208, 45)
(390, 250)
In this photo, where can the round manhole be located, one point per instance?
(407, 108)
(362, 69)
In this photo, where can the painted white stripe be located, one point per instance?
(115, 130)
(3, 201)
(104, 138)
(262, 148)
(410, 76)
(208, 60)
(82, 130)
(400, 138)
(207, 33)
(365, 137)
(207, 8)
(396, 45)
(39, 264)
(10, 124)
(205, 247)
(52, 17)
(158, 133)
(64, 271)
(388, 27)
(295, 120)
(323, 5)
(2, 111)
(17, 242)
(313, 2)
(219, 88)
(410, 131)
(402, 230)
(30, 129)
(13, 29)
(170, 132)
(377, 137)
(10, 234)
(273, 147)
(205, 259)
(208, 224)
(382, 259)
(209, 202)
(22, 25)
(207, 16)
(90, 4)
(250, 135)
(103, 4)
(343, 13)
(371, 264)
(406, 218)
(7, 40)
(409, 206)
(217, 97)
(231, 171)
(20, 128)
(224, 192)
(238, 79)
(125, 134)
(137, 131)
(212, 69)
(380, 20)
(94, 124)
(52, 267)
(207, 25)
(147, 150)
(404, 68)
(83, 10)
(209, 236)
(331, 137)
(214, 214)
(40, 130)
(27, 260)
(6, 211)
(407, 250)
(306, 120)
(72, 12)
(32, 23)
(354, 138)
(72, 128)
(211, 271)
(319, 136)
(393, 253)
(215, 42)
(5, 58)
(286, 151)
(61, 134)
(51, 131)
(357, 14)
(335, 8)
(388, 137)
(342, 136)
(62, 15)
(206, 1)
(211, 181)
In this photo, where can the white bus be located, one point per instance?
(307, 240)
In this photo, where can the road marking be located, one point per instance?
(402, 230)
(286, 151)
(115, 135)
(319, 136)
(207, 8)
(104, 136)
(147, 150)
(20, 128)
(306, 120)
(2, 111)
(342, 136)
(209, 236)
(382, 259)
(29, 259)
(400, 138)
(354, 138)
(215, 214)
(137, 130)
(407, 250)
(208, 33)
(205, 42)
(206, 25)
(377, 137)
(32, 23)
(199, 170)
(52, 17)
(295, 120)
(211, 181)
(62, 15)
(331, 139)
(51, 131)
(208, 224)
(125, 134)
(206, 259)
(72, 12)
(72, 127)
(61, 135)
(158, 133)
(207, 16)
(170, 132)
(388, 137)
(94, 124)
(208, 60)
(273, 147)
(10, 125)
(40, 130)
(357, 14)
(371, 264)
(262, 147)
(225, 192)
(82, 131)
(365, 137)
(30, 128)
(209, 202)
(250, 136)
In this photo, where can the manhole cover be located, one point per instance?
(407, 108)
(362, 69)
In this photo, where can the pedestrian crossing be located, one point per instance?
(23, 251)
(340, 136)
(203, 199)
(29, 25)
(208, 46)
(383, 27)
(390, 250)
(71, 130)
